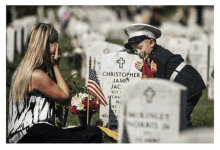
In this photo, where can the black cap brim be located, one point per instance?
(128, 46)
(135, 40)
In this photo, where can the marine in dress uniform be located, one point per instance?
(161, 63)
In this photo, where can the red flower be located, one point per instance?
(93, 105)
(92, 102)
(73, 110)
(96, 107)
(84, 102)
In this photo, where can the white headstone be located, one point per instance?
(96, 52)
(173, 28)
(31, 21)
(27, 23)
(51, 15)
(152, 111)
(96, 18)
(208, 18)
(10, 43)
(115, 30)
(211, 67)
(179, 45)
(117, 70)
(192, 16)
(40, 13)
(87, 39)
(19, 44)
(83, 67)
(198, 57)
(18, 25)
(211, 86)
(57, 26)
(195, 32)
(164, 40)
(199, 135)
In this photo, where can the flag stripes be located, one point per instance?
(93, 87)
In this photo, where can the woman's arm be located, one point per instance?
(43, 83)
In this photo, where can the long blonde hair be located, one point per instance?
(37, 57)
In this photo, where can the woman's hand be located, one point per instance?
(55, 59)
(139, 65)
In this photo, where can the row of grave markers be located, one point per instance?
(197, 53)
(138, 120)
(143, 111)
(116, 75)
(16, 35)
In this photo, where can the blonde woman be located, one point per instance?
(33, 93)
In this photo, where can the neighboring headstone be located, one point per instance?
(96, 52)
(87, 39)
(51, 16)
(173, 28)
(152, 111)
(96, 18)
(211, 86)
(208, 18)
(40, 13)
(192, 16)
(83, 67)
(57, 26)
(13, 13)
(27, 23)
(76, 27)
(198, 135)
(198, 57)
(164, 40)
(211, 67)
(19, 38)
(10, 44)
(30, 21)
(195, 32)
(179, 45)
(85, 57)
(117, 70)
(115, 30)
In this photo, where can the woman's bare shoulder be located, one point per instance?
(38, 73)
(39, 77)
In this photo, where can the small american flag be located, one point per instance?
(93, 87)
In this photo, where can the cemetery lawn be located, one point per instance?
(202, 116)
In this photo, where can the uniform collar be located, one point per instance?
(152, 54)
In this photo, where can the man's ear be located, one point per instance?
(152, 43)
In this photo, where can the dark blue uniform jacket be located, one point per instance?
(167, 62)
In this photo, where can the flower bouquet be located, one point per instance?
(79, 105)
(79, 101)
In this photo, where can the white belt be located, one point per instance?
(175, 73)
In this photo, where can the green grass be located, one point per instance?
(202, 116)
